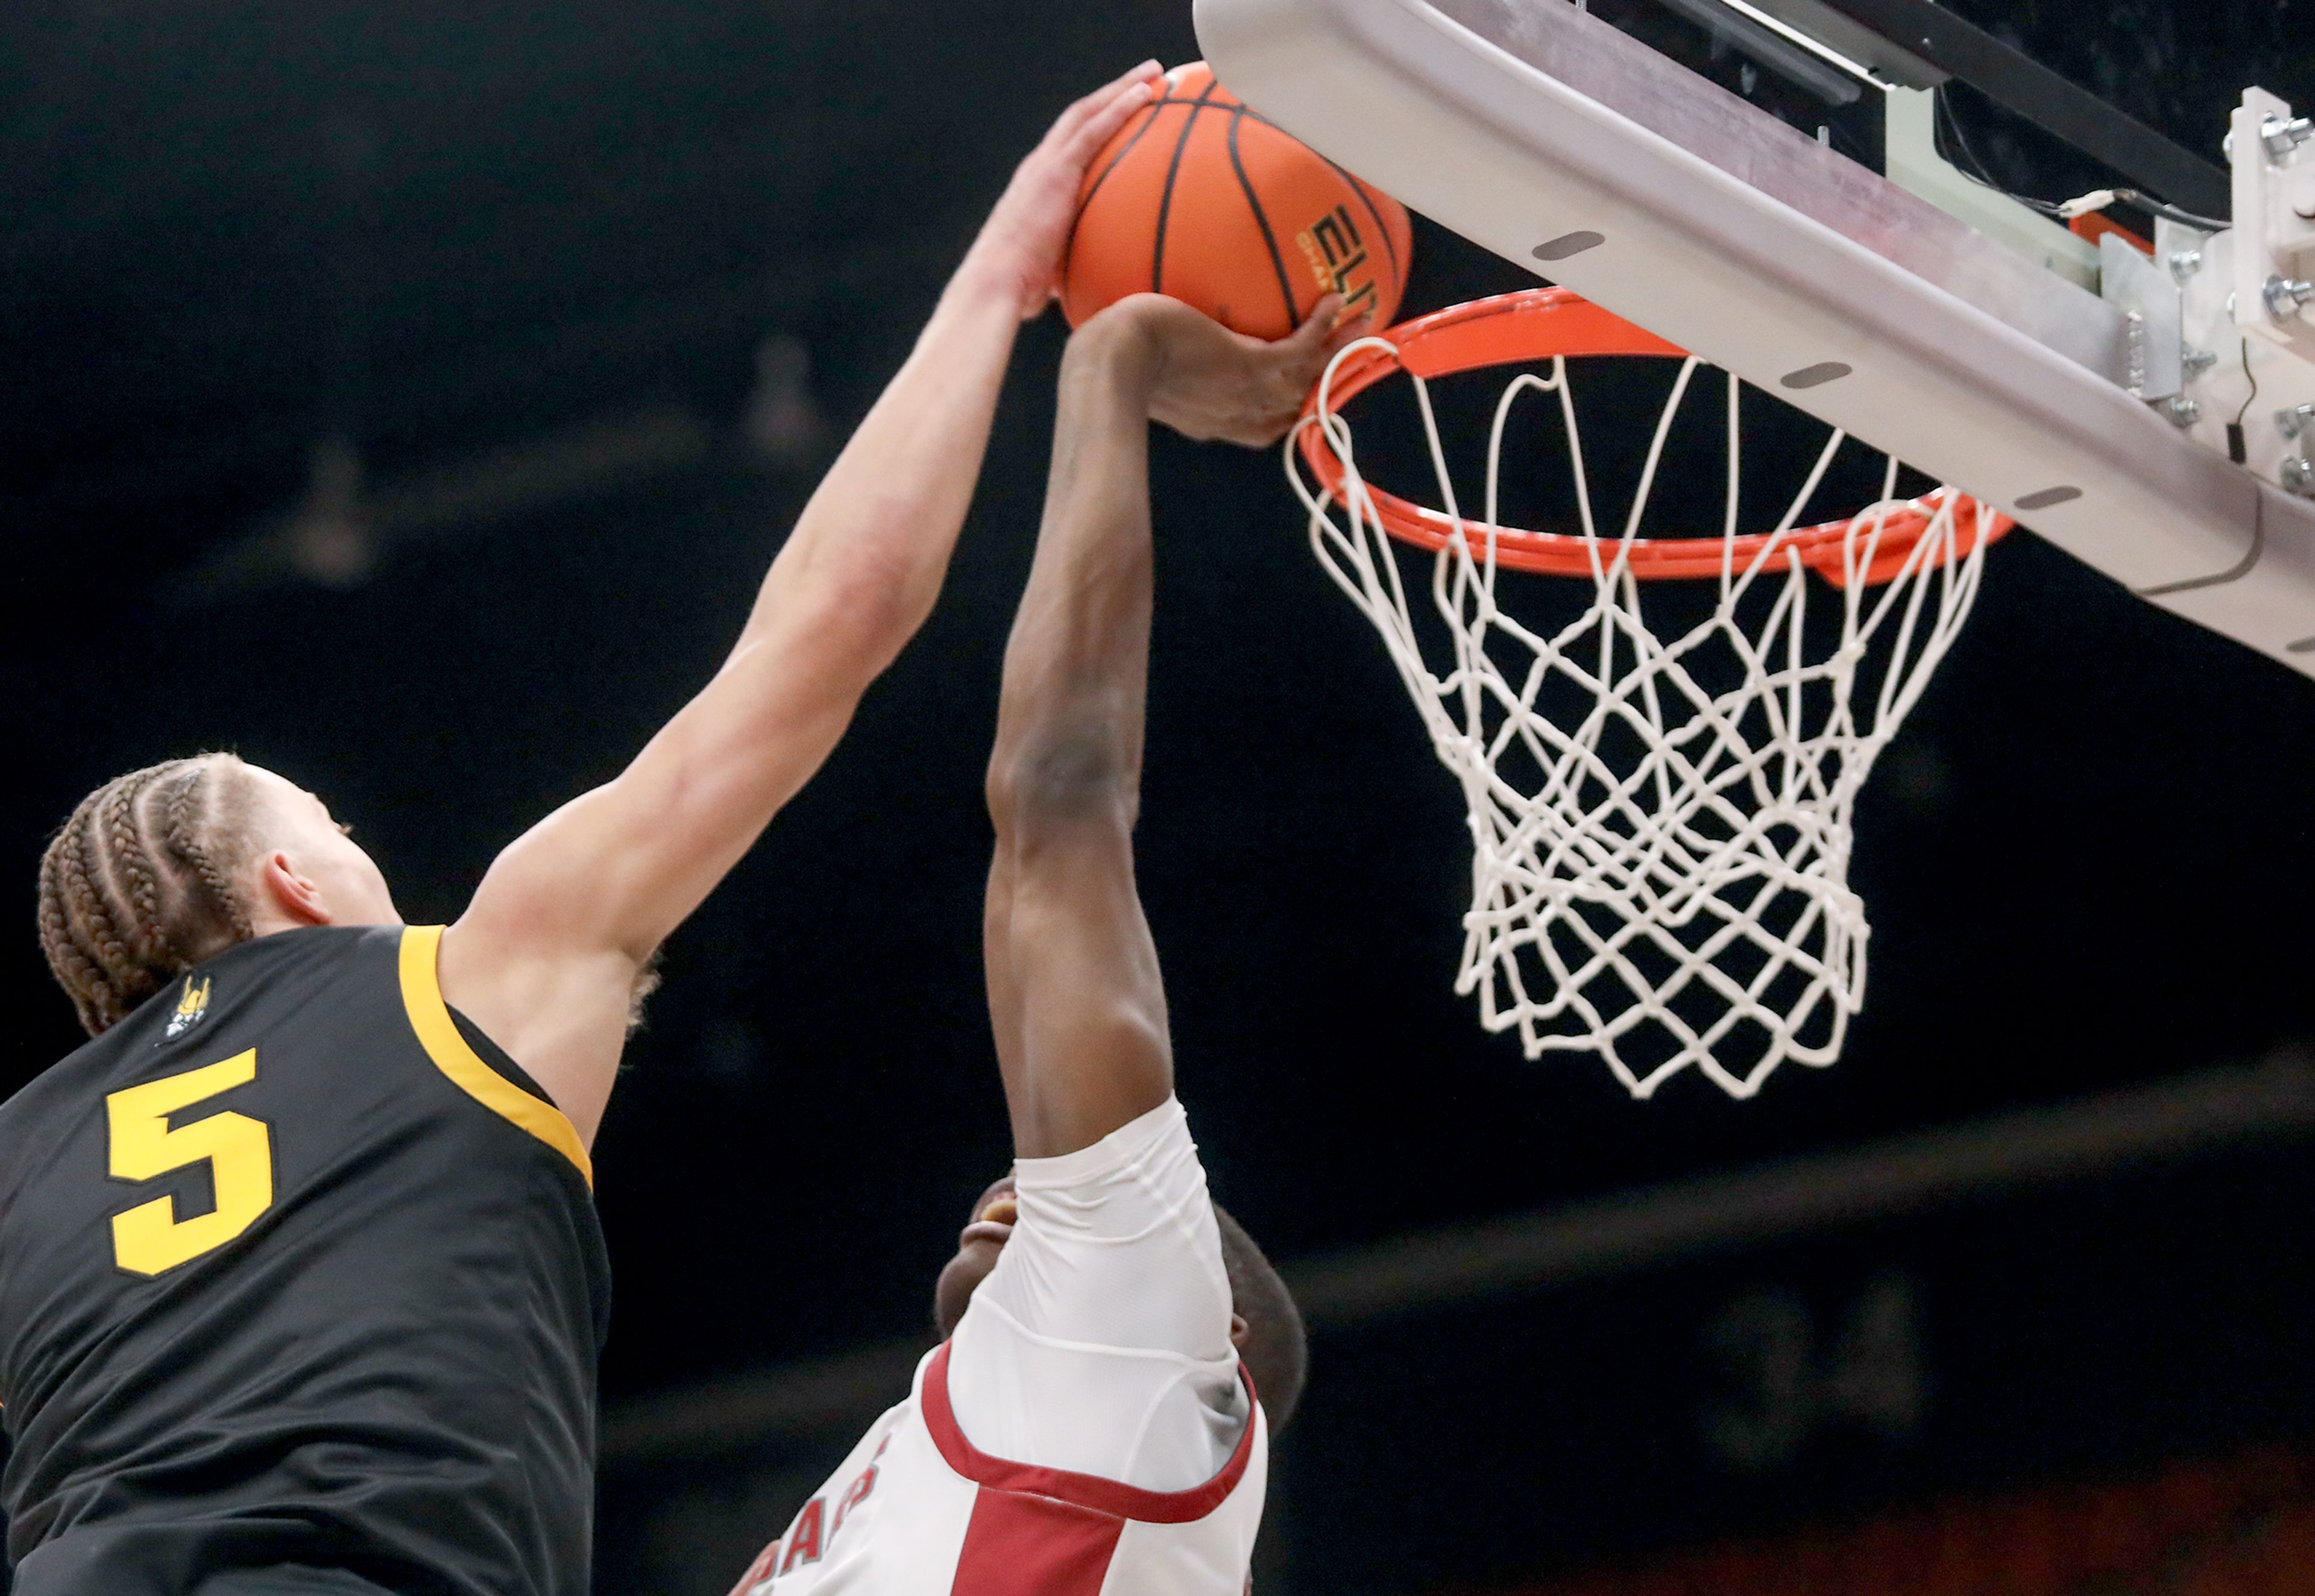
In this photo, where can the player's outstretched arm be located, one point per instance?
(1075, 995)
(546, 955)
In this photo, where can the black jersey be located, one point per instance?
(301, 1290)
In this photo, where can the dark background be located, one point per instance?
(585, 294)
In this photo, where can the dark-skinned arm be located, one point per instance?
(1075, 997)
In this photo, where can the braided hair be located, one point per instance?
(138, 887)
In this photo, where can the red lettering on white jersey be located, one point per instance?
(858, 1492)
(758, 1572)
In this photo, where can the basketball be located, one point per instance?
(1201, 199)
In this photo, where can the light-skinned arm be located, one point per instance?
(546, 956)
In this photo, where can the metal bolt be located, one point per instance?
(2292, 422)
(2282, 137)
(2195, 362)
(2182, 411)
(2285, 295)
(2184, 263)
(2298, 477)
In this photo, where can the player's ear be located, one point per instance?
(1238, 1330)
(289, 893)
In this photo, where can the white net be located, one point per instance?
(1661, 822)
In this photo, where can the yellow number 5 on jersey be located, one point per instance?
(150, 1238)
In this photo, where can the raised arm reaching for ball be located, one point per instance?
(159, 870)
(1091, 1423)
(545, 957)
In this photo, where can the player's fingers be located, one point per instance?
(1358, 323)
(1086, 108)
(1144, 71)
(1317, 327)
(1303, 351)
(1341, 331)
(1081, 145)
(1297, 360)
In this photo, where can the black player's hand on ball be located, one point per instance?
(1208, 382)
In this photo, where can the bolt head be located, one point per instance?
(2184, 263)
(2182, 410)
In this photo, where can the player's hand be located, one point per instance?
(1022, 242)
(1208, 382)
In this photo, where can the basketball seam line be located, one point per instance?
(1252, 115)
(1244, 110)
(1148, 122)
(1260, 218)
(1166, 199)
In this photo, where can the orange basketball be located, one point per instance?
(1199, 197)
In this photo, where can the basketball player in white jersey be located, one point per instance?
(1088, 1429)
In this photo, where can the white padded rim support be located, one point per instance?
(1954, 361)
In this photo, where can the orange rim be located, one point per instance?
(1538, 325)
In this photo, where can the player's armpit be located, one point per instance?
(546, 957)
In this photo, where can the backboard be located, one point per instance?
(2086, 391)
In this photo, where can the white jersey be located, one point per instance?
(917, 1510)
(1099, 1343)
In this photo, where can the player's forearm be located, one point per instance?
(1069, 725)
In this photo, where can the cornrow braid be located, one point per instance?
(191, 843)
(74, 971)
(131, 868)
(136, 887)
(89, 905)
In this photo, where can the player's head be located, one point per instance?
(1265, 1326)
(166, 866)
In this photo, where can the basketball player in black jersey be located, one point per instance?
(300, 1281)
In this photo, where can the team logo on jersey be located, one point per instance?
(192, 1007)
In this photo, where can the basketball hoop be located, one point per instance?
(1660, 823)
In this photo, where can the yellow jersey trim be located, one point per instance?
(429, 1017)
